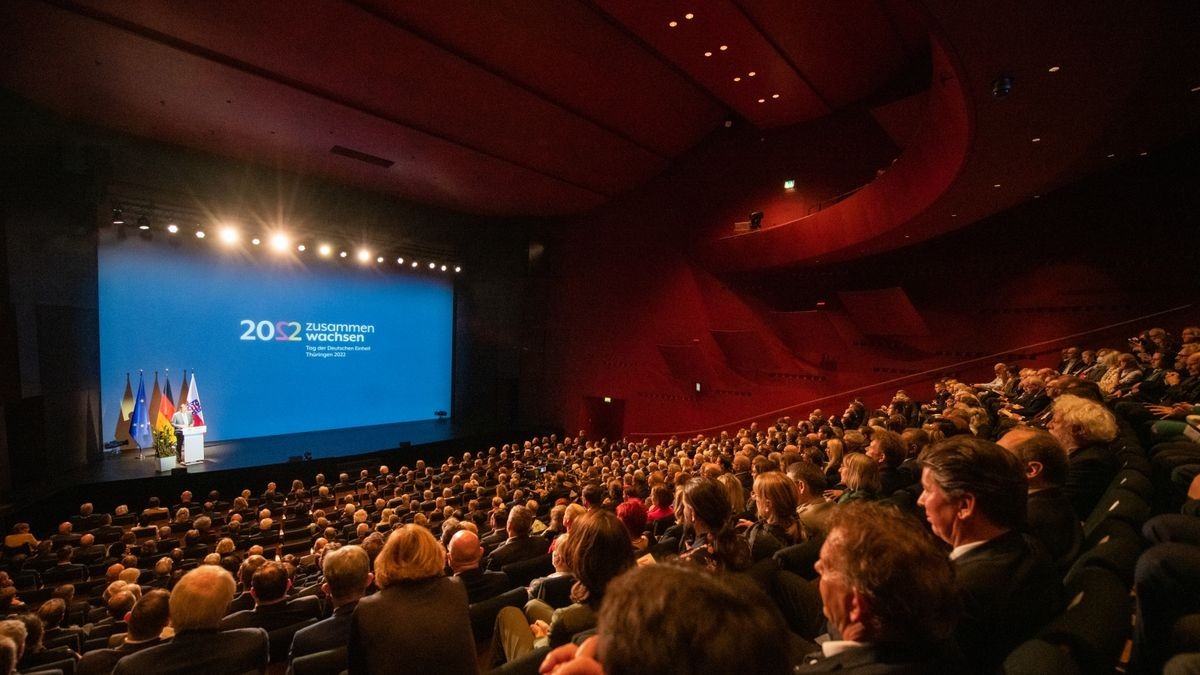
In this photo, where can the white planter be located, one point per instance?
(165, 464)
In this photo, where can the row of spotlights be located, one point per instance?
(279, 241)
(282, 242)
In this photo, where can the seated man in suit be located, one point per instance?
(272, 609)
(347, 576)
(1050, 516)
(974, 494)
(520, 545)
(888, 593)
(146, 622)
(88, 552)
(196, 606)
(64, 569)
(464, 556)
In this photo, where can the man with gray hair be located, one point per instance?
(347, 575)
(520, 545)
(13, 630)
(196, 606)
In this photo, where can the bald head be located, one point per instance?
(465, 551)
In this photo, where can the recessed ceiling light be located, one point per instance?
(1111, 155)
(379, 259)
(399, 261)
(724, 47)
(341, 254)
(673, 24)
(953, 215)
(752, 73)
(996, 185)
(325, 250)
(1142, 153)
(762, 100)
(737, 79)
(443, 268)
(432, 265)
(199, 234)
(457, 268)
(1035, 140)
(301, 248)
(1055, 69)
(256, 241)
(689, 16)
(774, 95)
(172, 228)
(414, 264)
(708, 53)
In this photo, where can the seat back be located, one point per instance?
(328, 662)
(280, 640)
(483, 613)
(525, 571)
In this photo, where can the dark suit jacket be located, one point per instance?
(102, 661)
(278, 615)
(328, 634)
(482, 584)
(413, 627)
(878, 659)
(1091, 469)
(516, 550)
(1052, 520)
(201, 651)
(1008, 589)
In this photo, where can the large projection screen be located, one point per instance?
(278, 344)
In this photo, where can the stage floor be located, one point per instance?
(251, 452)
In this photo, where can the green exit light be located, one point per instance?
(789, 184)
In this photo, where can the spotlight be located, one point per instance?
(364, 255)
(324, 250)
(230, 235)
(256, 241)
(379, 259)
(1002, 86)
(200, 234)
(414, 263)
(399, 261)
(756, 220)
(143, 222)
(342, 254)
(302, 248)
(280, 241)
(443, 268)
(172, 228)
(118, 217)
(457, 269)
(432, 265)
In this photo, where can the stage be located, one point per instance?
(269, 450)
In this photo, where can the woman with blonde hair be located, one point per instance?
(775, 498)
(835, 450)
(860, 475)
(416, 600)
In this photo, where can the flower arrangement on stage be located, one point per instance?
(164, 441)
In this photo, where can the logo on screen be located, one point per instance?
(309, 331)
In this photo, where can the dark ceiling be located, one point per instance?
(554, 107)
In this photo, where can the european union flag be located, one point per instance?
(139, 420)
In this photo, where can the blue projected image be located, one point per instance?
(276, 347)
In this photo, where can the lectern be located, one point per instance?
(193, 444)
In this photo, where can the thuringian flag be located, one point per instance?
(139, 419)
(193, 401)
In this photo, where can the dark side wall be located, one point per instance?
(641, 322)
